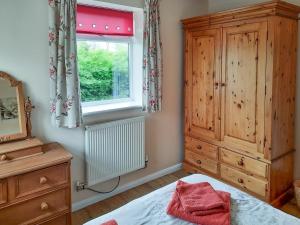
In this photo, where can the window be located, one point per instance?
(104, 68)
(109, 59)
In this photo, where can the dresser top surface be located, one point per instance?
(53, 154)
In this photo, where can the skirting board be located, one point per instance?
(97, 198)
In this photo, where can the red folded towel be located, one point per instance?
(111, 222)
(200, 199)
(176, 209)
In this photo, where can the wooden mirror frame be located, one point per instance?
(21, 108)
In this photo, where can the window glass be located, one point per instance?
(104, 70)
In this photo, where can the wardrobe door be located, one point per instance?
(202, 96)
(243, 87)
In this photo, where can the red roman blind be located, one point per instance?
(104, 21)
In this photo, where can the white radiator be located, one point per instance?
(114, 149)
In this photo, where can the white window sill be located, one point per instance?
(106, 108)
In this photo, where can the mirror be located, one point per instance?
(12, 111)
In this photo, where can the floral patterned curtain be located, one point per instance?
(152, 68)
(64, 80)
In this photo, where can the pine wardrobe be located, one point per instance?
(240, 81)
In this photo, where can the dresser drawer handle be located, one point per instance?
(44, 206)
(3, 157)
(199, 162)
(241, 162)
(240, 180)
(199, 147)
(43, 180)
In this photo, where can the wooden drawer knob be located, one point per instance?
(44, 206)
(199, 147)
(240, 180)
(241, 162)
(199, 162)
(3, 158)
(43, 180)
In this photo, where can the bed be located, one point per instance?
(151, 209)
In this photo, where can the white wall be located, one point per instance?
(217, 5)
(24, 54)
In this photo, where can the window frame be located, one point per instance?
(113, 39)
(137, 63)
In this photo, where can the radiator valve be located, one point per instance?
(80, 186)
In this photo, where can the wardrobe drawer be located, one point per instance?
(201, 162)
(201, 147)
(39, 180)
(62, 220)
(250, 165)
(30, 212)
(3, 192)
(243, 180)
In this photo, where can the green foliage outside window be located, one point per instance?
(103, 72)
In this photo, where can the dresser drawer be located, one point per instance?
(201, 147)
(62, 220)
(7, 157)
(30, 212)
(243, 162)
(201, 162)
(244, 181)
(29, 183)
(3, 192)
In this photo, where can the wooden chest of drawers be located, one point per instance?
(36, 189)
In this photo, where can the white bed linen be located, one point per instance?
(151, 208)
